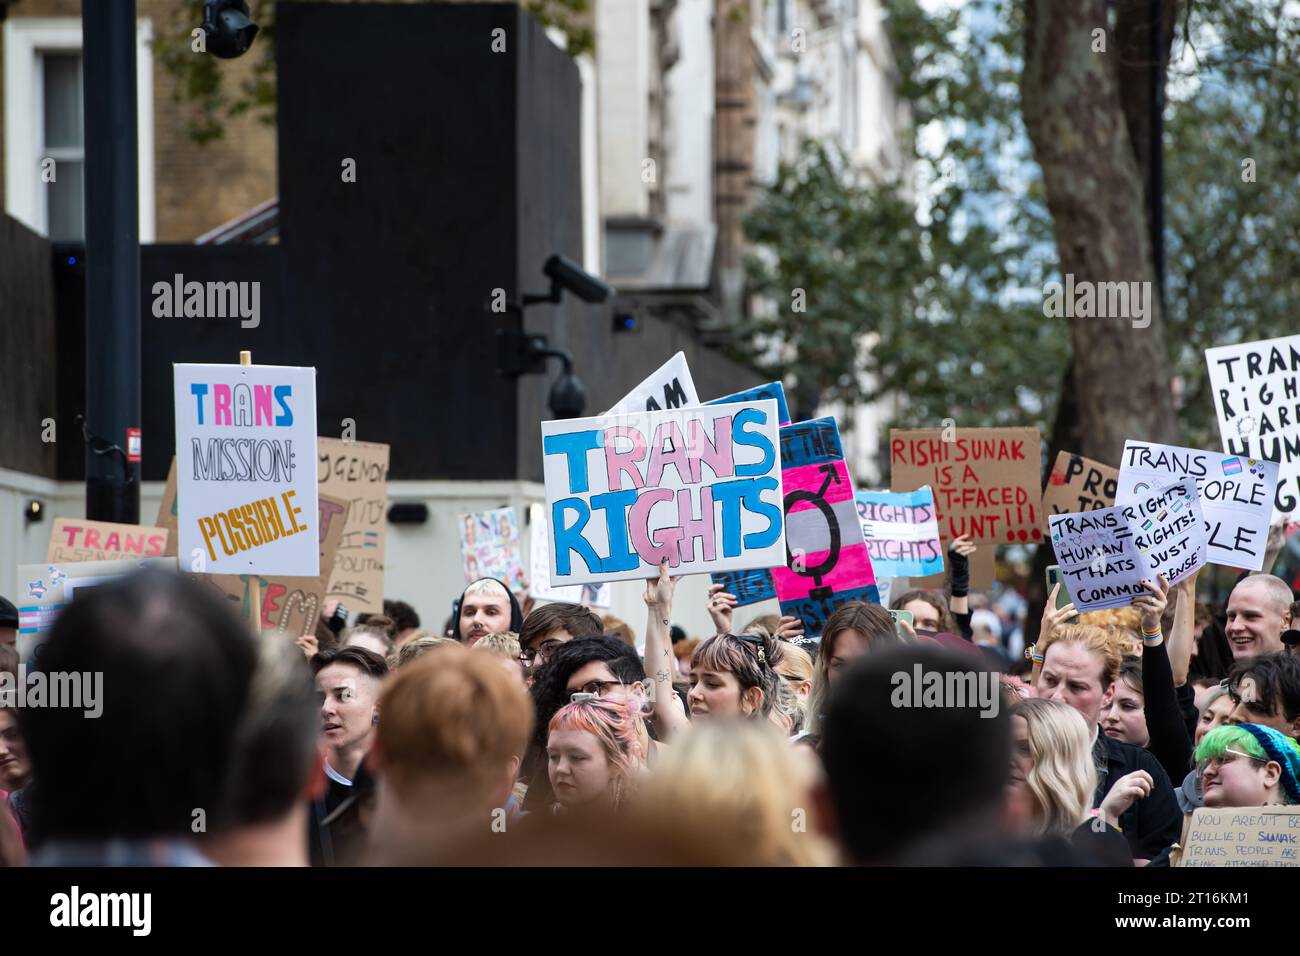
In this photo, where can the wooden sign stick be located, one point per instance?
(255, 581)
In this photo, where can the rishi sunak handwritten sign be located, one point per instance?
(700, 487)
(246, 469)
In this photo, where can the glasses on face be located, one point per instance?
(597, 688)
(1219, 762)
(542, 651)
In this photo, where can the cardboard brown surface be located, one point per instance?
(357, 472)
(986, 481)
(77, 539)
(1241, 836)
(1076, 483)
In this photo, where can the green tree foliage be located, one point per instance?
(944, 265)
(213, 96)
(927, 286)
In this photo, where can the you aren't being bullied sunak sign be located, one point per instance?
(246, 469)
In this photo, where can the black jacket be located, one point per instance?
(1153, 823)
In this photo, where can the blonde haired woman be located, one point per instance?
(740, 783)
(1052, 774)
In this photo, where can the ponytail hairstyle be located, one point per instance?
(750, 658)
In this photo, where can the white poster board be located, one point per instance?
(246, 469)
(699, 487)
(668, 386)
(1236, 494)
(1256, 389)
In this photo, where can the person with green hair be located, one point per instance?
(1248, 765)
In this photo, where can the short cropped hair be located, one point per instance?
(457, 715)
(574, 618)
(368, 662)
(502, 643)
(418, 647)
(1278, 590)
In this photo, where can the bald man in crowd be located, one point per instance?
(1259, 611)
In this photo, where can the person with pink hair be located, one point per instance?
(594, 752)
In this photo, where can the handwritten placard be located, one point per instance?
(986, 481)
(539, 568)
(245, 469)
(699, 487)
(1241, 836)
(1236, 495)
(357, 472)
(668, 386)
(1256, 388)
(76, 539)
(1105, 554)
(1076, 483)
(901, 531)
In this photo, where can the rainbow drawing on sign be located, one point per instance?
(1146, 525)
(1164, 513)
(1232, 466)
(36, 589)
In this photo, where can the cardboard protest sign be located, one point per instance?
(539, 568)
(1256, 388)
(1240, 836)
(357, 472)
(45, 589)
(827, 563)
(1236, 494)
(772, 390)
(1076, 484)
(1105, 554)
(489, 547)
(245, 468)
(76, 539)
(291, 605)
(901, 531)
(700, 487)
(668, 386)
(167, 510)
(986, 481)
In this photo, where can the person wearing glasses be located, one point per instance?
(594, 751)
(1248, 765)
(547, 627)
(603, 667)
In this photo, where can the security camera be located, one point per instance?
(228, 31)
(568, 398)
(573, 277)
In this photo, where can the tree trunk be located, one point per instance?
(1074, 112)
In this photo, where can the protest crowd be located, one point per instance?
(871, 727)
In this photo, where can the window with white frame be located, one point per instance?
(44, 125)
